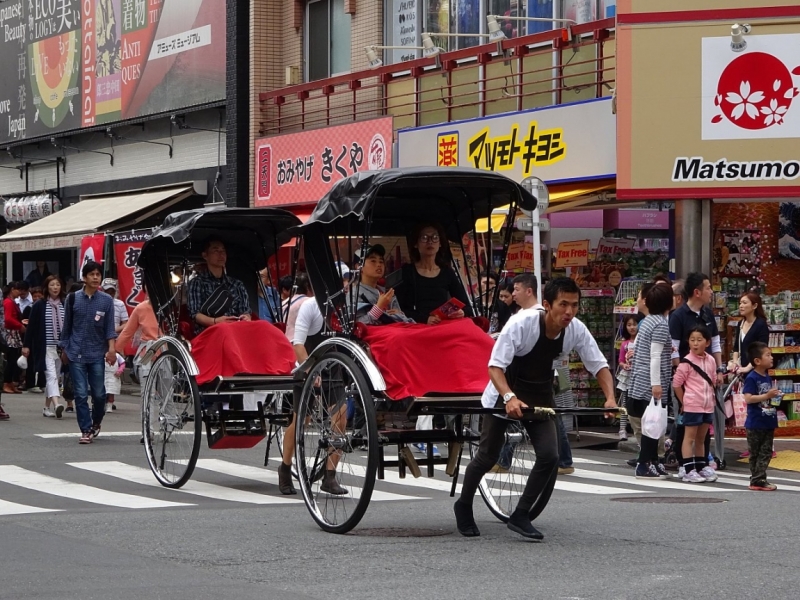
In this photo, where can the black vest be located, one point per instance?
(530, 376)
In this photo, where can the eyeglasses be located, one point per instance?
(429, 238)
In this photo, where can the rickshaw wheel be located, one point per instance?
(334, 390)
(171, 423)
(502, 489)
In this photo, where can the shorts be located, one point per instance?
(693, 419)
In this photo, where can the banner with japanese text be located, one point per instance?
(92, 249)
(127, 248)
(570, 142)
(299, 168)
(572, 254)
(68, 64)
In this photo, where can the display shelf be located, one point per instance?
(784, 372)
(789, 327)
(787, 397)
(786, 350)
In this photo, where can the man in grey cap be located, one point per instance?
(110, 287)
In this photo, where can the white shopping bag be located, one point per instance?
(654, 420)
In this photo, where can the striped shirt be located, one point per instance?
(49, 331)
(653, 328)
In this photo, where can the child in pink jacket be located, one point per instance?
(694, 387)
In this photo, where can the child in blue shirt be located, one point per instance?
(762, 415)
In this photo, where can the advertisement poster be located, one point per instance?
(404, 30)
(92, 249)
(67, 64)
(519, 257)
(556, 144)
(300, 168)
(127, 248)
(572, 254)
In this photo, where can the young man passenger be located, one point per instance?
(521, 374)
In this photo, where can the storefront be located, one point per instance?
(727, 124)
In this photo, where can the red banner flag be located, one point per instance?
(127, 248)
(92, 249)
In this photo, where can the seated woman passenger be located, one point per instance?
(375, 305)
(430, 282)
(214, 296)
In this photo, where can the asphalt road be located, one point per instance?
(72, 539)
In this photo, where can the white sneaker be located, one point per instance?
(693, 477)
(708, 474)
(681, 472)
(46, 412)
(109, 407)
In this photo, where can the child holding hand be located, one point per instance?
(762, 398)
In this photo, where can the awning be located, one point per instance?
(559, 197)
(92, 214)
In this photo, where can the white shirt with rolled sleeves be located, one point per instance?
(309, 322)
(519, 336)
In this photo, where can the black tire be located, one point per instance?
(171, 423)
(339, 378)
(501, 491)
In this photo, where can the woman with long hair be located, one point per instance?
(752, 328)
(41, 342)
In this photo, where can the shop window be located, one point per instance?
(328, 38)
(540, 9)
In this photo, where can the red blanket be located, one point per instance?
(244, 347)
(415, 360)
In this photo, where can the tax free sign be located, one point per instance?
(557, 144)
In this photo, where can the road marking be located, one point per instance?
(263, 475)
(52, 436)
(565, 486)
(77, 491)
(661, 483)
(12, 508)
(783, 486)
(207, 490)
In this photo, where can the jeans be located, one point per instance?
(89, 377)
(564, 451)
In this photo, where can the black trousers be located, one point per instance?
(543, 435)
(12, 369)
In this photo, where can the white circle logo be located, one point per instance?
(377, 153)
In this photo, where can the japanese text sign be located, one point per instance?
(520, 256)
(92, 250)
(559, 143)
(127, 248)
(301, 167)
(612, 246)
(572, 254)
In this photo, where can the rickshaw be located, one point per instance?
(345, 410)
(194, 380)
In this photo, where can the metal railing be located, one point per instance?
(537, 70)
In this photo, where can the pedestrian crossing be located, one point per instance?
(219, 483)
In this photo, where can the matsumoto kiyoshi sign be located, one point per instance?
(67, 64)
(560, 143)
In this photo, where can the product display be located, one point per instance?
(596, 313)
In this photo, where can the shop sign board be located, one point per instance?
(92, 249)
(68, 64)
(299, 168)
(556, 144)
(731, 127)
(572, 254)
(403, 18)
(519, 256)
(614, 246)
(630, 218)
(130, 276)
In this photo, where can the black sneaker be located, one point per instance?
(647, 471)
(95, 431)
(69, 409)
(521, 524)
(631, 462)
(465, 522)
(662, 471)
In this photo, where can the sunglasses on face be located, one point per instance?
(429, 238)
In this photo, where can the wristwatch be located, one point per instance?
(722, 369)
(507, 397)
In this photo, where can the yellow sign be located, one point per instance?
(520, 256)
(447, 149)
(504, 152)
(572, 254)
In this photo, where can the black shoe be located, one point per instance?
(520, 523)
(465, 522)
(330, 485)
(285, 480)
(632, 462)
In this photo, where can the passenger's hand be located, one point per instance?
(245, 317)
(26, 352)
(459, 314)
(657, 392)
(219, 320)
(514, 408)
(111, 357)
(385, 299)
(434, 320)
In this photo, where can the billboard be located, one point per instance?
(299, 168)
(557, 144)
(68, 64)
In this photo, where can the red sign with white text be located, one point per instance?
(92, 249)
(299, 168)
(127, 248)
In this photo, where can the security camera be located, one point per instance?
(738, 31)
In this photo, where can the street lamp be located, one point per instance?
(372, 53)
(738, 43)
(496, 33)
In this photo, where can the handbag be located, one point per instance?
(218, 303)
(654, 420)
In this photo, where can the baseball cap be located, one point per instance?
(344, 270)
(375, 249)
(109, 283)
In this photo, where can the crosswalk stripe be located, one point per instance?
(12, 508)
(661, 483)
(263, 475)
(144, 476)
(104, 434)
(566, 486)
(783, 486)
(770, 477)
(77, 491)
